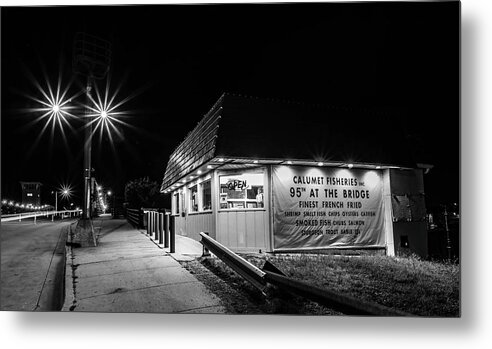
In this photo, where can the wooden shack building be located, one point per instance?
(272, 176)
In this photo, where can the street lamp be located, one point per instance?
(113, 209)
(91, 59)
(66, 193)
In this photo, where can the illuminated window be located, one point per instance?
(194, 199)
(242, 191)
(176, 203)
(206, 195)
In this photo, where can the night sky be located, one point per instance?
(176, 61)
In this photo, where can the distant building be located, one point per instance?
(263, 175)
(31, 193)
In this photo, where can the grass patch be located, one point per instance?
(409, 284)
(240, 297)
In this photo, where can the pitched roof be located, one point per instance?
(197, 148)
(247, 127)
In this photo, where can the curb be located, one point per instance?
(69, 291)
(52, 294)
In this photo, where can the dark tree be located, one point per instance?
(143, 192)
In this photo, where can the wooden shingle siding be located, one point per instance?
(197, 148)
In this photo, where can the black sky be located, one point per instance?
(402, 57)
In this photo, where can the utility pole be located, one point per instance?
(448, 238)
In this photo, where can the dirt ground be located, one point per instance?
(240, 297)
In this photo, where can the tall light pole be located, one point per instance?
(66, 193)
(86, 208)
(91, 58)
(448, 238)
(110, 193)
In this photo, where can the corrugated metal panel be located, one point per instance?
(243, 230)
(192, 224)
(202, 222)
(180, 225)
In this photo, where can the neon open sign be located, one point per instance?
(236, 184)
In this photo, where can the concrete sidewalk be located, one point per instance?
(128, 273)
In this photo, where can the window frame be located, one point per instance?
(198, 183)
(190, 199)
(263, 171)
(202, 197)
(175, 205)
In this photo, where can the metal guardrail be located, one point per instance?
(261, 278)
(26, 215)
(237, 263)
(343, 303)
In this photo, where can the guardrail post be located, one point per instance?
(148, 222)
(205, 252)
(161, 228)
(156, 231)
(151, 223)
(172, 233)
(20, 217)
(154, 223)
(166, 230)
(152, 233)
(35, 218)
(141, 216)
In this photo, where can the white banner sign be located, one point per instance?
(319, 207)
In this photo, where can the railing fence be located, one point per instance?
(26, 215)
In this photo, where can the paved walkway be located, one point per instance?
(127, 272)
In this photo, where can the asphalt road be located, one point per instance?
(32, 265)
